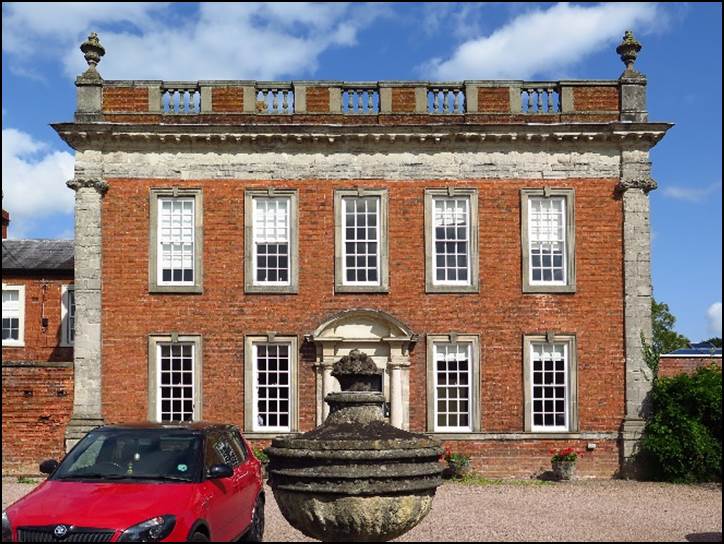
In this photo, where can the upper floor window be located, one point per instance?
(68, 315)
(176, 244)
(13, 318)
(454, 382)
(451, 240)
(361, 242)
(548, 234)
(271, 241)
(551, 377)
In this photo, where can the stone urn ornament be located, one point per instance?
(355, 478)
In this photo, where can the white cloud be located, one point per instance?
(542, 41)
(219, 41)
(34, 179)
(692, 194)
(713, 314)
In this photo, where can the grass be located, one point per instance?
(26, 480)
(482, 481)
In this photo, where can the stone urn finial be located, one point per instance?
(92, 51)
(628, 50)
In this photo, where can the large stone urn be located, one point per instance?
(355, 477)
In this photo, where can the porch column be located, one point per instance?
(87, 411)
(396, 404)
(327, 385)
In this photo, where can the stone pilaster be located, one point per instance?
(87, 346)
(635, 184)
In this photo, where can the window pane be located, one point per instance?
(271, 234)
(451, 236)
(272, 373)
(176, 391)
(176, 240)
(546, 238)
(452, 382)
(550, 389)
(361, 240)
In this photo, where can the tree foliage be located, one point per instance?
(665, 338)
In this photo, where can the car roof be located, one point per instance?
(197, 427)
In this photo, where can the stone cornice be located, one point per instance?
(94, 183)
(84, 136)
(645, 183)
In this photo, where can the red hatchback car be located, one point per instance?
(146, 483)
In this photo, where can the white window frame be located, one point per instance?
(20, 342)
(571, 382)
(378, 205)
(568, 284)
(251, 285)
(474, 412)
(251, 382)
(155, 262)
(66, 315)
(159, 268)
(340, 204)
(155, 341)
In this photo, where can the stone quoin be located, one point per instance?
(486, 243)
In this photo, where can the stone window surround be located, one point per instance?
(65, 340)
(551, 337)
(339, 285)
(475, 397)
(473, 251)
(158, 338)
(570, 195)
(249, 284)
(180, 192)
(20, 342)
(249, 382)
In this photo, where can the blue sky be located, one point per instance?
(681, 57)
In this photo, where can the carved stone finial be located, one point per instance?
(628, 50)
(357, 372)
(92, 51)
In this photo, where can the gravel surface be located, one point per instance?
(580, 511)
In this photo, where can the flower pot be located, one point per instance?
(458, 469)
(564, 470)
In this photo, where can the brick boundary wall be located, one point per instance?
(37, 403)
(673, 366)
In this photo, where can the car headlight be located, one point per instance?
(151, 530)
(7, 529)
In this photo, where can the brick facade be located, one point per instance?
(673, 366)
(500, 314)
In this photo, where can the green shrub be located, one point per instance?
(682, 441)
(261, 455)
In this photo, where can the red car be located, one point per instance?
(146, 483)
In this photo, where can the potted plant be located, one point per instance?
(563, 463)
(457, 463)
(263, 458)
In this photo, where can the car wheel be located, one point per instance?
(256, 531)
(199, 537)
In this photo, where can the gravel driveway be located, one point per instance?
(579, 511)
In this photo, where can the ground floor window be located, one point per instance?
(13, 309)
(454, 376)
(175, 370)
(271, 384)
(550, 383)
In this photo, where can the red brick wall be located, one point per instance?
(595, 98)
(494, 99)
(227, 99)
(125, 99)
(501, 314)
(37, 404)
(318, 99)
(673, 366)
(403, 99)
(42, 298)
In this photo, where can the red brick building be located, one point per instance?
(486, 242)
(37, 350)
(689, 360)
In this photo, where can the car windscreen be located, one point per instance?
(144, 454)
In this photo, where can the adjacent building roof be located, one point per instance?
(38, 255)
(701, 349)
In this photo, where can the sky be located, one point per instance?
(387, 41)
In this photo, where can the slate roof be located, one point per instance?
(701, 349)
(37, 255)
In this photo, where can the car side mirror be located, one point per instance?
(220, 471)
(48, 466)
